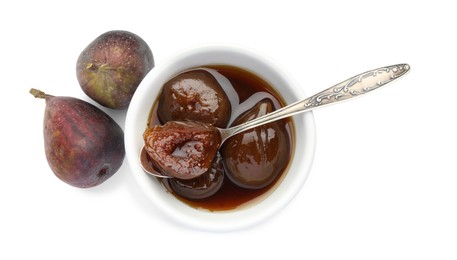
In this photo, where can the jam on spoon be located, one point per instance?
(182, 149)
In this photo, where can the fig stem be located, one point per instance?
(37, 93)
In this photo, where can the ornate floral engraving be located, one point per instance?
(358, 85)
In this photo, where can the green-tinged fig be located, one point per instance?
(84, 146)
(111, 67)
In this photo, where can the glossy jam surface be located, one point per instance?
(254, 158)
(194, 95)
(249, 164)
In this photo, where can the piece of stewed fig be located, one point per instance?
(194, 95)
(254, 158)
(184, 150)
(202, 186)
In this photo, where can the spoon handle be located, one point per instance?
(352, 87)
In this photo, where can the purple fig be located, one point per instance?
(111, 67)
(84, 146)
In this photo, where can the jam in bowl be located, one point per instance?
(254, 174)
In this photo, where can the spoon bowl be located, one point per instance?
(147, 166)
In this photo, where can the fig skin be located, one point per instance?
(84, 146)
(111, 67)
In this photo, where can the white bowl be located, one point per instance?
(280, 195)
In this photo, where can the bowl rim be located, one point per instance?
(224, 220)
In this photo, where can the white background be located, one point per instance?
(383, 183)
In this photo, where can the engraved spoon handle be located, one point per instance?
(352, 87)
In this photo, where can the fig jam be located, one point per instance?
(244, 91)
(182, 149)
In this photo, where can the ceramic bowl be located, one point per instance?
(270, 203)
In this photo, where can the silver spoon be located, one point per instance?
(350, 88)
